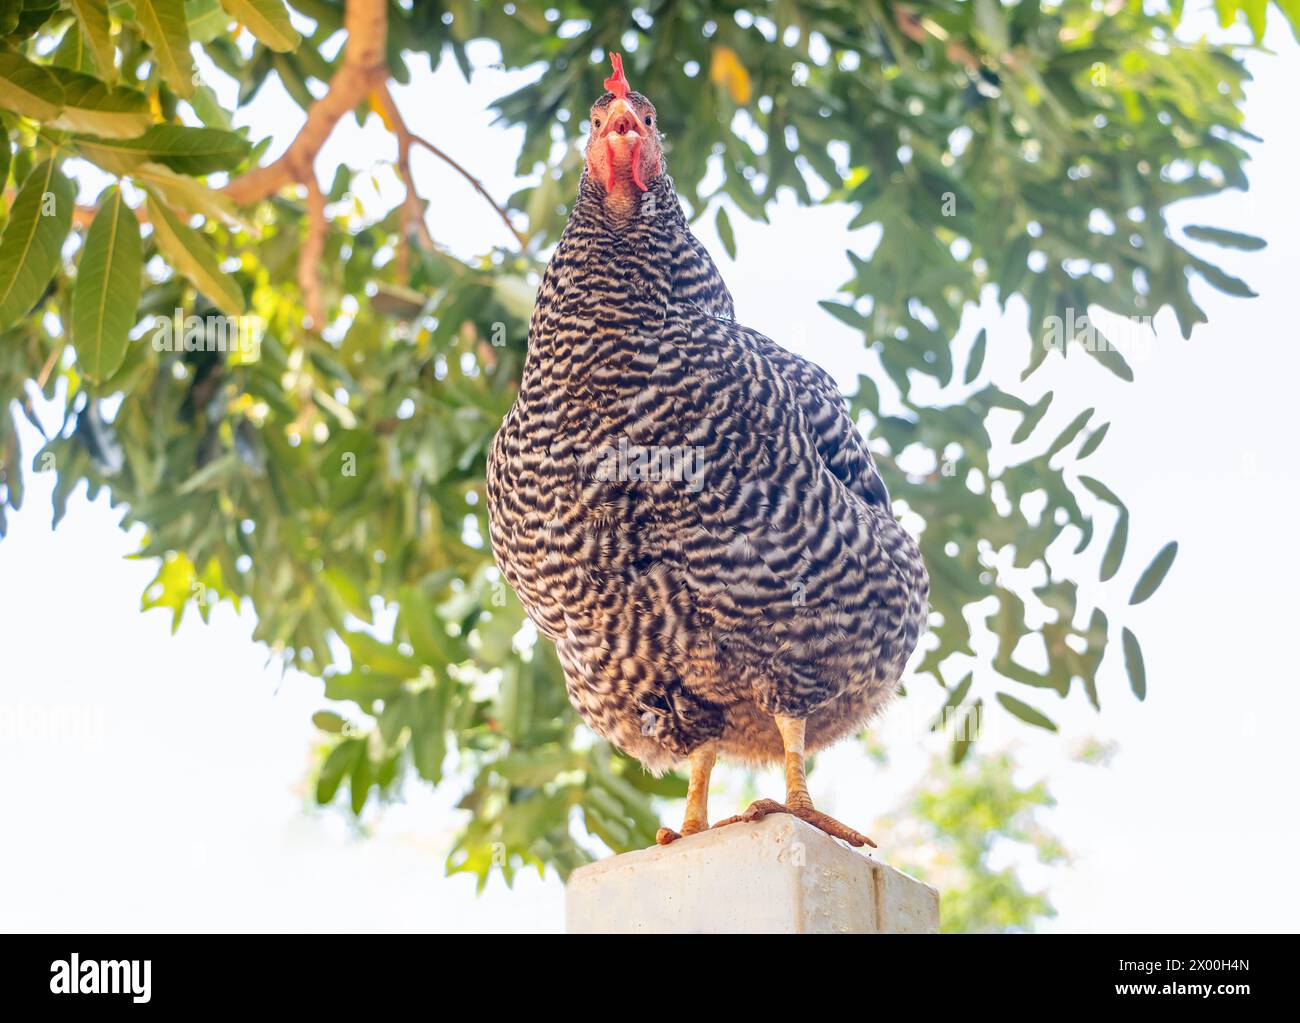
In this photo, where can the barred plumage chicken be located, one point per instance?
(685, 508)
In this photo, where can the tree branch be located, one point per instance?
(406, 137)
(363, 73)
(920, 29)
(309, 256)
(412, 206)
(364, 66)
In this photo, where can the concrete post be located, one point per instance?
(777, 875)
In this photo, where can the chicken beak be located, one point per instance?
(622, 122)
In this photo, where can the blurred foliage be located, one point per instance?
(966, 818)
(335, 478)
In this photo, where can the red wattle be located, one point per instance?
(609, 165)
(636, 166)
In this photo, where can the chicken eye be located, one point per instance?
(649, 120)
(596, 123)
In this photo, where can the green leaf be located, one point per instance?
(206, 19)
(27, 88)
(181, 148)
(846, 314)
(426, 631)
(1070, 432)
(976, 361)
(186, 195)
(1291, 9)
(92, 17)
(1133, 664)
(968, 731)
(362, 687)
(349, 594)
(23, 17)
(212, 471)
(429, 730)
(107, 154)
(91, 106)
(1086, 664)
(340, 762)
(266, 19)
(1255, 16)
(163, 25)
(1099, 489)
(1026, 713)
(39, 221)
(955, 696)
(1228, 239)
(393, 719)
(1093, 442)
(107, 290)
(1110, 561)
(725, 233)
(1110, 357)
(210, 111)
(1032, 418)
(377, 656)
(289, 71)
(362, 780)
(72, 52)
(328, 721)
(191, 255)
(1225, 282)
(1154, 575)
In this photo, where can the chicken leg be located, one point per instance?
(697, 797)
(797, 800)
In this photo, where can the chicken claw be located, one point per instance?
(760, 808)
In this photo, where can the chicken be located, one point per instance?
(685, 508)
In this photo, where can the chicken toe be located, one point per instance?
(760, 808)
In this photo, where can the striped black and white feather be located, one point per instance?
(688, 511)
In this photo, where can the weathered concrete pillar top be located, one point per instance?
(776, 875)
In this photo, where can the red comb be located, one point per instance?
(617, 84)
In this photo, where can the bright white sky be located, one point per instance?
(159, 783)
